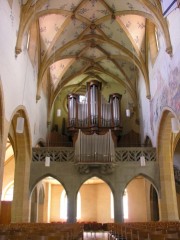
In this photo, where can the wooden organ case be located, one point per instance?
(94, 114)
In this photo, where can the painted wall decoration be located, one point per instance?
(167, 93)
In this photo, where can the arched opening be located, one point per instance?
(48, 201)
(154, 204)
(139, 205)
(96, 201)
(16, 170)
(8, 183)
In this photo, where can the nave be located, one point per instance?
(77, 231)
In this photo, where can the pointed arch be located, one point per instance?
(22, 146)
(165, 140)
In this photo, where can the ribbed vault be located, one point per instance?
(83, 39)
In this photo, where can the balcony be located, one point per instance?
(106, 164)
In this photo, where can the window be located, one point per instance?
(125, 204)
(32, 44)
(112, 206)
(28, 40)
(63, 205)
(78, 214)
(82, 99)
(8, 194)
(157, 38)
(153, 38)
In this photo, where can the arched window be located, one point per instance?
(153, 39)
(125, 204)
(8, 193)
(63, 205)
(112, 206)
(82, 98)
(78, 213)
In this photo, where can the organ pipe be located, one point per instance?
(72, 107)
(115, 101)
(94, 112)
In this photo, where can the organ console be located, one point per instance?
(94, 113)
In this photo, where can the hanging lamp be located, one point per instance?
(142, 161)
(175, 125)
(47, 161)
(20, 125)
(128, 112)
(58, 112)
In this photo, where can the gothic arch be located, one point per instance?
(145, 177)
(22, 151)
(35, 181)
(100, 177)
(168, 209)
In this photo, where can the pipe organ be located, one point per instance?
(94, 113)
(94, 148)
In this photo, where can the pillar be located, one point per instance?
(72, 206)
(167, 199)
(118, 206)
(20, 204)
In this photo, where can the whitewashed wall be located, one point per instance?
(164, 78)
(143, 110)
(19, 79)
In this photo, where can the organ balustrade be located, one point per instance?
(67, 154)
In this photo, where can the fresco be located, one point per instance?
(167, 93)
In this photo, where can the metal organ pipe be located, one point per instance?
(72, 105)
(94, 104)
(115, 100)
(94, 110)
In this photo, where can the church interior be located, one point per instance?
(89, 111)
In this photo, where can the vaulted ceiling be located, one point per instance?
(80, 40)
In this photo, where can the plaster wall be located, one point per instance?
(56, 191)
(89, 202)
(8, 175)
(95, 200)
(164, 77)
(18, 76)
(144, 108)
(137, 200)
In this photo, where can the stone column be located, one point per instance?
(118, 206)
(72, 206)
(20, 204)
(167, 198)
